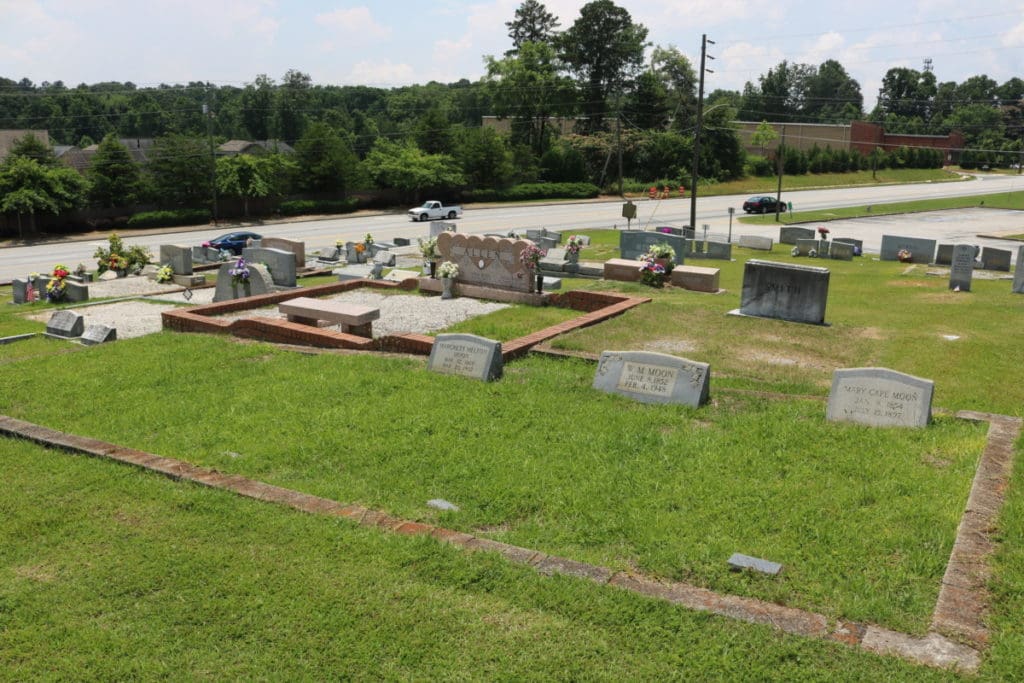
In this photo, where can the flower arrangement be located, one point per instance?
(165, 274)
(652, 273)
(530, 256)
(360, 247)
(823, 232)
(448, 269)
(117, 256)
(428, 247)
(904, 256)
(340, 244)
(115, 262)
(368, 239)
(574, 244)
(662, 250)
(56, 288)
(240, 273)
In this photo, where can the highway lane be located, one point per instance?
(712, 211)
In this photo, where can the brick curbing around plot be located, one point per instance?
(959, 614)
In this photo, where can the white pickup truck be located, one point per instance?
(434, 211)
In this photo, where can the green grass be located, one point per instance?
(863, 519)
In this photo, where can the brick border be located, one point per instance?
(595, 306)
(959, 612)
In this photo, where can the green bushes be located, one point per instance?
(299, 207)
(162, 219)
(528, 191)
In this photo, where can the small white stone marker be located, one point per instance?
(442, 504)
(950, 337)
(739, 561)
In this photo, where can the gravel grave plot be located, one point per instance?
(129, 318)
(127, 286)
(399, 313)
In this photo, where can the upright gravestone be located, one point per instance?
(841, 251)
(486, 261)
(805, 245)
(296, 248)
(719, 250)
(635, 243)
(438, 227)
(995, 259)
(791, 233)
(467, 355)
(944, 255)
(653, 377)
(258, 282)
(65, 324)
(354, 255)
(921, 250)
(19, 290)
(961, 269)
(756, 242)
(880, 397)
(178, 257)
(76, 292)
(1018, 273)
(281, 263)
(98, 334)
(858, 245)
(785, 291)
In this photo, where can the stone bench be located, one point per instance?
(623, 270)
(353, 318)
(696, 278)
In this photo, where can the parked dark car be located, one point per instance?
(764, 204)
(232, 241)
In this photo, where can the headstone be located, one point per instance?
(545, 242)
(550, 284)
(376, 269)
(281, 263)
(961, 269)
(296, 248)
(738, 561)
(804, 245)
(921, 250)
(401, 275)
(622, 270)
(19, 290)
(65, 324)
(259, 282)
(790, 234)
(328, 254)
(467, 355)
(354, 271)
(756, 242)
(178, 257)
(557, 253)
(841, 251)
(98, 334)
(402, 241)
(438, 227)
(108, 275)
(653, 377)
(858, 245)
(669, 230)
(784, 291)
(719, 250)
(634, 243)
(880, 397)
(1018, 273)
(944, 255)
(695, 278)
(996, 259)
(486, 261)
(352, 255)
(584, 240)
(385, 257)
(75, 292)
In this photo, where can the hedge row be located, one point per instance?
(300, 207)
(163, 219)
(535, 191)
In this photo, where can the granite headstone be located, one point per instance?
(1018, 273)
(65, 324)
(178, 257)
(841, 251)
(921, 250)
(635, 243)
(790, 234)
(785, 291)
(961, 269)
(944, 255)
(996, 259)
(296, 248)
(880, 397)
(653, 377)
(756, 242)
(98, 334)
(281, 263)
(486, 261)
(467, 355)
(259, 282)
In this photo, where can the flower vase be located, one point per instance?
(540, 283)
(446, 284)
(574, 257)
(433, 269)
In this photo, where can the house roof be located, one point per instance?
(9, 137)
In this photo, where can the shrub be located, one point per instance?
(161, 219)
(535, 191)
(299, 207)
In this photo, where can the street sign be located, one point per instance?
(629, 210)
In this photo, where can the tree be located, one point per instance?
(30, 187)
(604, 49)
(680, 83)
(831, 95)
(485, 158)
(907, 93)
(528, 89)
(404, 166)
(181, 170)
(248, 176)
(290, 106)
(257, 107)
(764, 135)
(647, 105)
(325, 160)
(28, 146)
(533, 23)
(114, 176)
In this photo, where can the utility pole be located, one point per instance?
(208, 114)
(618, 143)
(696, 135)
(778, 191)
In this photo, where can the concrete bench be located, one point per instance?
(353, 318)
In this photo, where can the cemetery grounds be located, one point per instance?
(111, 572)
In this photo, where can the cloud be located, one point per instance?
(382, 73)
(354, 24)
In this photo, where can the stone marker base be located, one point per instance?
(622, 270)
(428, 284)
(189, 280)
(695, 278)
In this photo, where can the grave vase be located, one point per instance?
(573, 257)
(446, 283)
(433, 269)
(540, 283)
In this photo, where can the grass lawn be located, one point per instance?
(121, 574)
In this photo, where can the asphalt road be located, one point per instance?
(711, 211)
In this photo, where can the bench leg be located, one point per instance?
(312, 322)
(365, 330)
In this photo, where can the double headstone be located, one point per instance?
(961, 269)
(467, 355)
(635, 243)
(790, 234)
(296, 248)
(841, 251)
(258, 282)
(785, 291)
(653, 377)
(756, 242)
(178, 257)
(281, 263)
(995, 259)
(487, 261)
(880, 397)
(921, 250)
(719, 250)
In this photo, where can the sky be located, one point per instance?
(401, 42)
